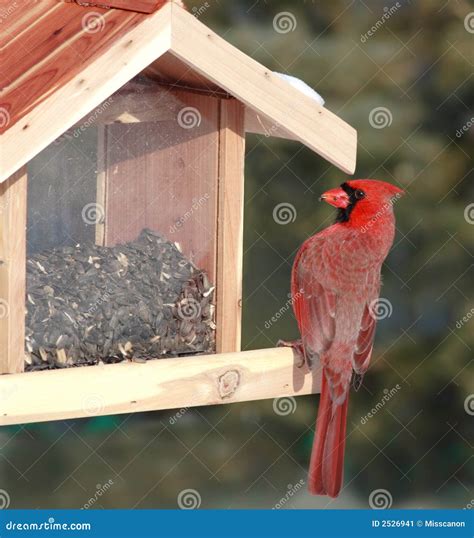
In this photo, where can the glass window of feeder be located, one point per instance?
(121, 235)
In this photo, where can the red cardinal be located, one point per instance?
(335, 285)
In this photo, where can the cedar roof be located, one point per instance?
(59, 60)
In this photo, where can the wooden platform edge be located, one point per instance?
(155, 385)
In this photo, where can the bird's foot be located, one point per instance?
(298, 348)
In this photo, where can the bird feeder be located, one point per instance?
(121, 209)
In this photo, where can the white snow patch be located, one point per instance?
(302, 87)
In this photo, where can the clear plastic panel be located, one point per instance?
(122, 232)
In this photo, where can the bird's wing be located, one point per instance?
(365, 338)
(365, 341)
(314, 303)
(330, 270)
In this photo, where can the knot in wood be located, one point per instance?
(228, 383)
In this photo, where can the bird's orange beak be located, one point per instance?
(336, 197)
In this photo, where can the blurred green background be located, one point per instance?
(416, 71)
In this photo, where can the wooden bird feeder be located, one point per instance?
(134, 112)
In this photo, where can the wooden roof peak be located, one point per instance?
(61, 60)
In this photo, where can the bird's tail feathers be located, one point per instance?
(327, 457)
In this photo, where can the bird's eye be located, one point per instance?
(359, 194)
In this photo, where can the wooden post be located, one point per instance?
(12, 272)
(230, 226)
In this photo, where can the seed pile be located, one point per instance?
(139, 300)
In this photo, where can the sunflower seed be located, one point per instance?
(88, 304)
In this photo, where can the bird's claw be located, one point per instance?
(297, 347)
